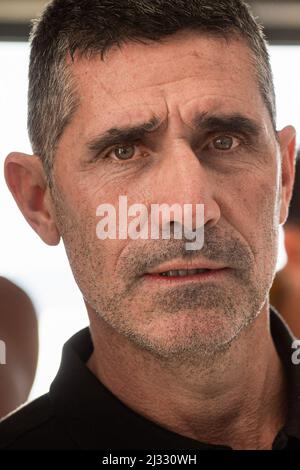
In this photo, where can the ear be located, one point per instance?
(287, 142)
(26, 180)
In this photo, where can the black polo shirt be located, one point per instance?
(80, 413)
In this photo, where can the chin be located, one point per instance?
(186, 337)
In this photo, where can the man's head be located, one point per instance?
(91, 27)
(182, 111)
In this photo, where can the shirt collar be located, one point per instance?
(95, 418)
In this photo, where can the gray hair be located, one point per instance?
(91, 27)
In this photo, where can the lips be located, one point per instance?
(183, 268)
(183, 272)
(177, 272)
(176, 280)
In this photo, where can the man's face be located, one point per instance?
(213, 144)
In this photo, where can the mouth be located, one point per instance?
(186, 275)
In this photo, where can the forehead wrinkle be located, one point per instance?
(114, 110)
(161, 86)
(179, 91)
(118, 64)
(118, 104)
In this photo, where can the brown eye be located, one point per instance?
(124, 152)
(224, 143)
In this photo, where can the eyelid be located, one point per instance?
(233, 137)
(240, 139)
(104, 154)
(107, 152)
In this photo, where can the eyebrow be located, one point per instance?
(235, 123)
(117, 135)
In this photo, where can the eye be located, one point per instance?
(124, 152)
(224, 142)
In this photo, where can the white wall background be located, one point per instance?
(44, 271)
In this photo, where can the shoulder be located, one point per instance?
(33, 426)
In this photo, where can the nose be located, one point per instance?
(181, 178)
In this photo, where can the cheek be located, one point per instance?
(259, 216)
(77, 225)
(93, 261)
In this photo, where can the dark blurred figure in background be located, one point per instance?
(285, 292)
(19, 333)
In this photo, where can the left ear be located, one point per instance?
(287, 142)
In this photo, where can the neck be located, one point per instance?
(236, 399)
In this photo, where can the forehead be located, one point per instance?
(187, 73)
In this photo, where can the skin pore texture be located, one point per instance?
(196, 358)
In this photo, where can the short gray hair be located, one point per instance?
(91, 27)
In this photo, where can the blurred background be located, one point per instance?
(44, 271)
